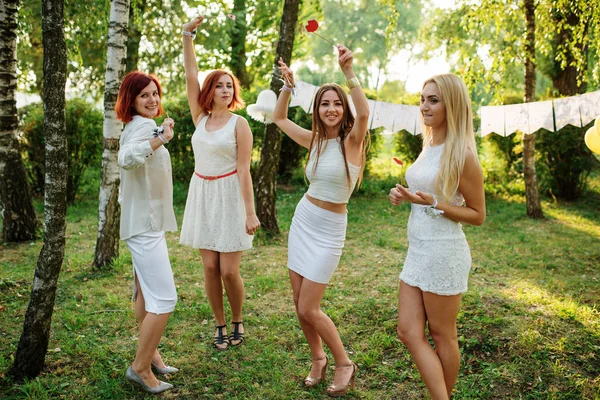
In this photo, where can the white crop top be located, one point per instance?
(329, 181)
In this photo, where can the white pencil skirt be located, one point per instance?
(151, 265)
(316, 241)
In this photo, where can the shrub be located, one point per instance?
(408, 146)
(564, 163)
(84, 141)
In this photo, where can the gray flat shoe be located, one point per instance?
(132, 376)
(164, 370)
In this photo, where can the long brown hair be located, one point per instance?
(319, 130)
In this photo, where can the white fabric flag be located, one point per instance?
(540, 116)
(384, 115)
(516, 118)
(305, 93)
(351, 105)
(492, 120)
(371, 109)
(566, 111)
(404, 118)
(589, 106)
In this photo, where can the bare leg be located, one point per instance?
(411, 331)
(214, 287)
(312, 337)
(140, 314)
(151, 328)
(309, 309)
(442, 312)
(234, 285)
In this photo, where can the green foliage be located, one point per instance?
(292, 155)
(408, 146)
(565, 162)
(84, 141)
(366, 37)
(180, 148)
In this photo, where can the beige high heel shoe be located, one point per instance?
(309, 381)
(339, 391)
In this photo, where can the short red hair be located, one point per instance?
(207, 94)
(132, 85)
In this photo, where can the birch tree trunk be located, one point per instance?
(109, 210)
(16, 206)
(33, 344)
(532, 194)
(266, 179)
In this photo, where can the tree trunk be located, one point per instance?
(16, 206)
(532, 194)
(238, 33)
(109, 211)
(134, 35)
(266, 194)
(33, 344)
(565, 79)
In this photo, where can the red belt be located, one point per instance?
(212, 178)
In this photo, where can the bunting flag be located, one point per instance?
(492, 120)
(305, 93)
(566, 111)
(589, 107)
(540, 116)
(502, 120)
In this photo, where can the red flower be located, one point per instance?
(312, 25)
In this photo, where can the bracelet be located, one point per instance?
(288, 89)
(162, 138)
(352, 83)
(191, 34)
(158, 132)
(432, 211)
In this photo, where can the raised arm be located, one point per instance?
(361, 123)
(280, 114)
(191, 66)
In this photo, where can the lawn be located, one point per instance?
(529, 326)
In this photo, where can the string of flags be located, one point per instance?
(503, 120)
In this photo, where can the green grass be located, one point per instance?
(529, 326)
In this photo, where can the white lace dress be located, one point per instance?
(438, 259)
(215, 215)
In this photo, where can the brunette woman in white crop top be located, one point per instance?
(337, 146)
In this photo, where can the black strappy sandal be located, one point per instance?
(221, 339)
(236, 335)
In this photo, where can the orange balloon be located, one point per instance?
(592, 139)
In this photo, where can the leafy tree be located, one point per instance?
(33, 344)
(83, 128)
(269, 157)
(362, 27)
(16, 206)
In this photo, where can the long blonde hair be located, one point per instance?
(318, 130)
(459, 136)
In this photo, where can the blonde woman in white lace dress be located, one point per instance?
(445, 189)
(219, 216)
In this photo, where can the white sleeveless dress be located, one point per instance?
(215, 215)
(438, 258)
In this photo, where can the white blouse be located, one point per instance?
(146, 188)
